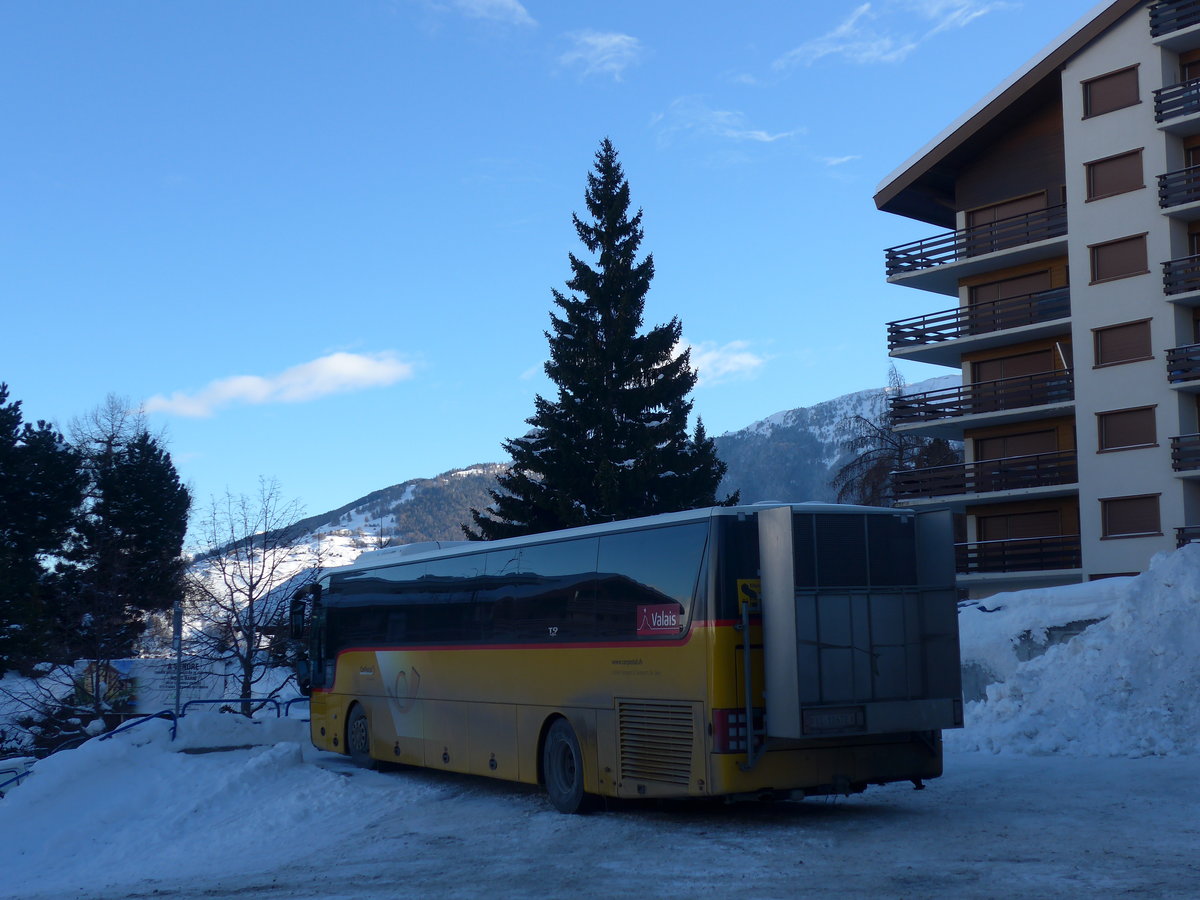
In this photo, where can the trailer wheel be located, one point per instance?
(358, 738)
(562, 768)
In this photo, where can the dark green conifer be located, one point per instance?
(614, 443)
(41, 488)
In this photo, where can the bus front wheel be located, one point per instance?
(358, 738)
(562, 768)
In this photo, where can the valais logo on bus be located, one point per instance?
(662, 618)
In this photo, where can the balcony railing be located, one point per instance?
(1176, 100)
(1177, 188)
(1188, 534)
(1019, 555)
(983, 476)
(983, 396)
(1185, 452)
(1183, 364)
(980, 318)
(1002, 234)
(1181, 275)
(1172, 15)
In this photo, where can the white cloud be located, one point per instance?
(885, 33)
(832, 161)
(337, 373)
(690, 115)
(602, 53)
(714, 364)
(508, 11)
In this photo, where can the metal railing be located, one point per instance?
(1172, 15)
(161, 714)
(980, 318)
(1185, 452)
(1019, 555)
(952, 246)
(1183, 364)
(1188, 534)
(984, 396)
(984, 476)
(1175, 100)
(1181, 275)
(1176, 188)
(260, 701)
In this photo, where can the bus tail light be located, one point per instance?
(729, 730)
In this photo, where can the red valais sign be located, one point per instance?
(661, 618)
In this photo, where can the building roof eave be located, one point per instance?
(922, 187)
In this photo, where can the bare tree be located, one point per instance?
(879, 451)
(239, 588)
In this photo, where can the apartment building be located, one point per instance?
(1067, 290)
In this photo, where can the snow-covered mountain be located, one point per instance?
(794, 454)
(788, 456)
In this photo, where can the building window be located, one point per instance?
(1130, 516)
(1124, 429)
(1116, 90)
(1125, 343)
(1115, 175)
(1119, 259)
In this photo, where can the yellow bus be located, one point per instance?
(751, 651)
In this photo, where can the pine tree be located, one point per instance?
(41, 488)
(126, 559)
(614, 444)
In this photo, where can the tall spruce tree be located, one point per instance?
(614, 444)
(41, 489)
(126, 559)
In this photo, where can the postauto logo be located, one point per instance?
(660, 618)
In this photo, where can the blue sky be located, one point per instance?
(318, 240)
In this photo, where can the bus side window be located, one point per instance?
(656, 567)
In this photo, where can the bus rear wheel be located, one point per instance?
(358, 738)
(562, 768)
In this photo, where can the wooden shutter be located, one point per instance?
(1123, 343)
(1126, 428)
(1130, 515)
(1115, 90)
(1018, 526)
(1006, 445)
(1114, 175)
(1119, 259)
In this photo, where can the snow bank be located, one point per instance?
(1123, 686)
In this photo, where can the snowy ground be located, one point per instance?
(285, 821)
(1077, 776)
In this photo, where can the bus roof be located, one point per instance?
(390, 556)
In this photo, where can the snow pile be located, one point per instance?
(138, 807)
(1123, 686)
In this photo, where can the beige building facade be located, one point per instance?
(1065, 286)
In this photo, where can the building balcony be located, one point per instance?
(1188, 534)
(1003, 400)
(1182, 275)
(941, 337)
(1183, 365)
(1019, 555)
(1177, 107)
(936, 263)
(1170, 16)
(1185, 452)
(1013, 473)
(1179, 192)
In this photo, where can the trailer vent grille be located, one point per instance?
(656, 741)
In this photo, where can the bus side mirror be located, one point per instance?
(296, 616)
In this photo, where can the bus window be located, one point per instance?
(544, 592)
(659, 570)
